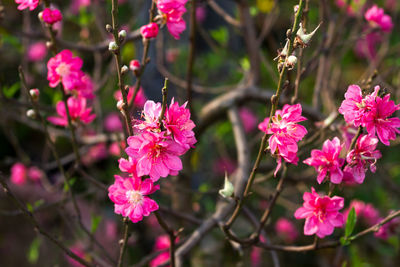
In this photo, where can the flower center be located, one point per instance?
(63, 69)
(134, 197)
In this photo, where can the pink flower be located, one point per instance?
(112, 122)
(134, 65)
(128, 166)
(78, 250)
(172, 12)
(156, 155)
(388, 229)
(377, 17)
(327, 160)
(348, 133)
(321, 213)
(140, 98)
(286, 229)
(366, 46)
(31, 4)
(95, 153)
(151, 113)
(223, 165)
(201, 14)
(66, 68)
(130, 197)
(285, 133)
(78, 4)
(84, 87)
(111, 230)
(115, 148)
(51, 16)
(178, 124)
(18, 174)
(37, 51)
(149, 31)
(248, 118)
(353, 108)
(35, 174)
(361, 156)
(77, 109)
(162, 242)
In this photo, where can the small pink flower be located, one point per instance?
(162, 242)
(37, 51)
(35, 174)
(95, 153)
(78, 250)
(84, 86)
(65, 68)
(178, 124)
(111, 230)
(361, 156)
(128, 166)
(134, 65)
(248, 118)
(115, 148)
(112, 122)
(327, 160)
(388, 229)
(51, 16)
(201, 14)
(348, 133)
(151, 113)
(366, 46)
(149, 31)
(321, 213)
(223, 165)
(18, 174)
(156, 155)
(364, 211)
(285, 133)
(172, 12)
(77, 109)
(377, 17)
(286, 229)
(78, 4)
(130, 197)
(31, 4)
(354, 107)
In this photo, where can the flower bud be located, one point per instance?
(228, 189)
(149, 31)
(109, 28)
(40, 16)
(112, 46)
(124, 69)
(120, 105)
(122, 34)
(34, 94)
(134, 66)
(30, 113)
(302, 38)
(291, 62)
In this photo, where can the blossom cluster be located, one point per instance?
(20, 173)
(154, 151)
(170, 13)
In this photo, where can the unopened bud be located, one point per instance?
(303, 38)
(296, 8)
(122, 34)
(134, 65)
(291, 62)
(34, 94)
(228, 189)
(49, 45)
(40, 16)
(112, 46)
(124, 69)
(31, 114)
(120, 105)
(109, 28)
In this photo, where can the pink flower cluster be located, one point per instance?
(171, 12)
(20, 173)
(162, 242)
(321, 213)
(285, 133)
(153, 151)
(377, 17)
(23, 4)
(286, 230)
(64, 68)
(51, 16)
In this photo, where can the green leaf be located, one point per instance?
(38, 203)
(351, 222)
(344, 241)
(29, 207)
(10, 91)
(71, 183)
(220, 35)
(33, 252)
(95, 223)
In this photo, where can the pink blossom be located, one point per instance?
(377, 17)
(84, 87)
(157, 155)
(388, 229)
(149, 31)
(130, 197)
(95, 153)
(366, 46)
(162, 242)
(223, 165)
(172, 54)
(354, 107)
(111, 229)
(151, 113)
(18, 174)
(172, 12)
(77, 110)
(115, 148)
(285, 133)
(140, 98)
(35, 174)
(112, 122)
(286, 230)
(31, 4)
(256, 256)
(348, 133)
(248, 118)
(66, 68)
(364, 211)
(321, 213)
(51, 16)
(78, 250)
(201, 13)
(361, 156)
(129, 166)
(134, 65)
(78, 4)
(327, 160)
(37, 51)
(178, 124)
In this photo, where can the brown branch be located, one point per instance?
(220, 11)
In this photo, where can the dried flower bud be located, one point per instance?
(112, 46)
(34, 94)
(124, 69)
(302, 38)
(109, 28)
(291, 62)
(228, 189)
(31, 114)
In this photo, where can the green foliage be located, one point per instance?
(9, 92)
(350, 224)
(34, 250)
(221, 35)
(95, 223)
